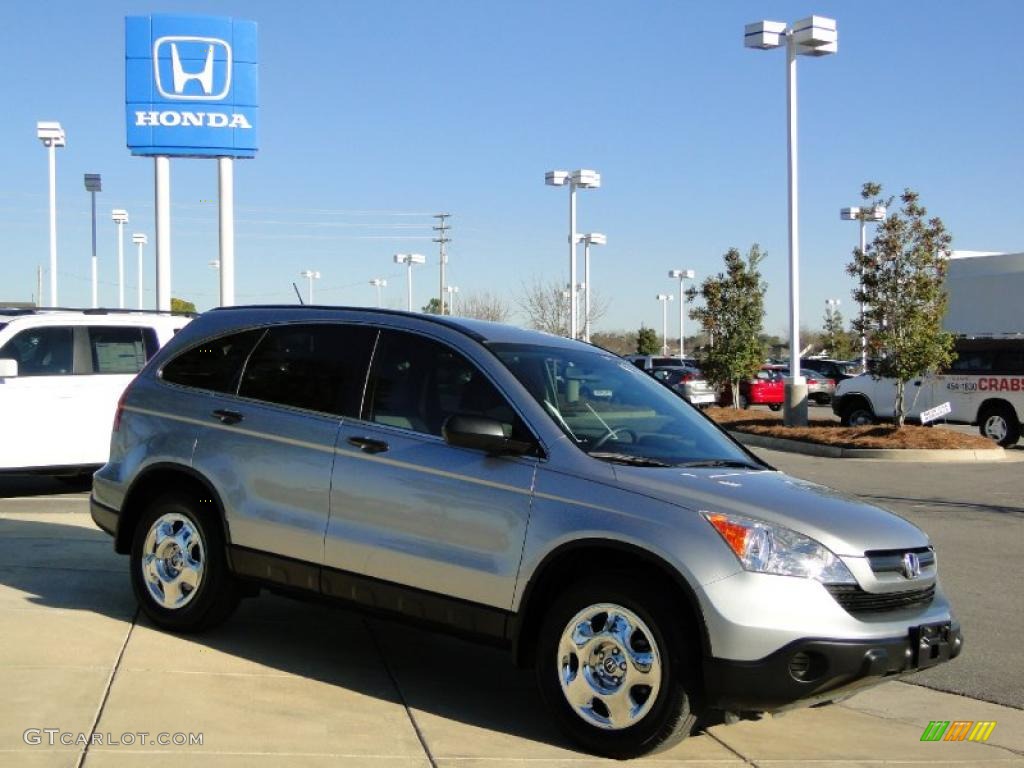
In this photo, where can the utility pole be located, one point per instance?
(39, 285)
(442, 240)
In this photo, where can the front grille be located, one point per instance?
(855, 600)
(891, 560)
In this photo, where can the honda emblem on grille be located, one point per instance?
(911, 565)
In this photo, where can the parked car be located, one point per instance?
(688, 382)
(837, 370)
(650, 362)
(984, 386)
(767, 387)
(61, 373)
(454, 473)
(819, 388)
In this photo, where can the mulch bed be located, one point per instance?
(823, 432)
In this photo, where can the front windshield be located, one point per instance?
(614, 411)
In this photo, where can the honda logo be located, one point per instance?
(199, 68)
(911, 565)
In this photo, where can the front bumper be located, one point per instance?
(812, 671)
(104, 517)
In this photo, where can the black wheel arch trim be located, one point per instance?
(519, 620)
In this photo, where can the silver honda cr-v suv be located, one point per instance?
(515, 487)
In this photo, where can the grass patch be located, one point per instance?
(825, 432)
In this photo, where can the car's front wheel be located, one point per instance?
(616, 669)
(178, 566)
(858, 414)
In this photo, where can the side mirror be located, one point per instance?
(482, 434)
(8, 368)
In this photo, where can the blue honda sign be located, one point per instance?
(191, 86)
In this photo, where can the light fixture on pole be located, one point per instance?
(140, 240)
(681, 275)
(52, 136)
(589, 239)
(580, 179)
(379, 283)
(875, 213)
(664, 298)
(451, 290)
(310, 275)
(120, 217)
(409, 259)
(813, 36)
(93, 184)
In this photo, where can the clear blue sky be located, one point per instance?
(403, 109)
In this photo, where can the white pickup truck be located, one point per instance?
(984, 386)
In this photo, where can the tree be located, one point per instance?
(181, 305)
(647, 341)
(432, 307)
(902, 275)
(733, 312)
(836, 339)
(546, 306)
(484, 306)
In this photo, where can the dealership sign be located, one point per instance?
(191, 86)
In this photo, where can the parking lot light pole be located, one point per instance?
(580, 179)
(664, 298)
(409, 259)
(813, 36)
(310, 275)
(140, 240)
(120, 217)
(94, 184)
(589, 239)
(379, 283)
(681, 275)
(52, 136)
(451, 290)
(863, 215)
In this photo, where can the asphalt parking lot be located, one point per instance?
(289, 683)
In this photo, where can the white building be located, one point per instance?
(986, 293)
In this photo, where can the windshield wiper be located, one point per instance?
(627, 458)
(719, 463)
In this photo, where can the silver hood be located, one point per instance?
(844, 525)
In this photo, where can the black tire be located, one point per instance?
(775, 406)
(678, 702)
(217, 593)
(999, 422)
(744, 402)
(857, 413)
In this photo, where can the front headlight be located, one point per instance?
(765, 548)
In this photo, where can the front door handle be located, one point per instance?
(228, 417)
(368, 445)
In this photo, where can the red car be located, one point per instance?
(767, 388)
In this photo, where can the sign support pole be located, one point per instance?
(226, 193)
(162, 176)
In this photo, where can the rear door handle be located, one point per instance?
(368, 445)
(228, 417)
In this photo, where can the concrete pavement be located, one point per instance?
(285, 683)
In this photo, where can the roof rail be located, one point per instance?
(91, 311)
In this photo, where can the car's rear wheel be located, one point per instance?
(999, 422)
(616, 669)
(178, 566)
(858, 414)
(775, 406)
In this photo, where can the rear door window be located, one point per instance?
(314, 367)
(215, 364)
(44, 351)
(115, 349)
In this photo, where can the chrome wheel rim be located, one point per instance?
(173, 561)
(995, 427)
(609, 666)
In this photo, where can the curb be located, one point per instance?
(929, 455)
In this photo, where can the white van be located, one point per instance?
(983, 386)
(61, 375)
